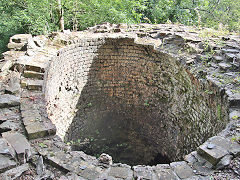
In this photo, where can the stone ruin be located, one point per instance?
(121, 102)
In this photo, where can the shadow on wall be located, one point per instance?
(114, 113)
(141, 107)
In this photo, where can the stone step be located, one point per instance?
(7, 100)
(33, 75)
(39, 128)
(30, 84)
(36, 125)
(30, 64)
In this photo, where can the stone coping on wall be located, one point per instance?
(28, 140)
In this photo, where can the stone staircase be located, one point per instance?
(33, 111)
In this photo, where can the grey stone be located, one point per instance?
(14, 173)
(5, 65)
(230, 50)
(105, 159)
(234, 100)
(6, 163)
(89, 173)
(19, 143)
(212, 155)
(230, 57)
(40, 166)
(199, 165)
(164, 172)
(121, 171)
(9, 114)
(71, 176)
(40, 129)
(144, 172)
(14, 86)
(5, 149)
(7, 100)
(226, 144)
(16, 46)
(210, 146)
(20, 38)
(218, 59)
(225, 161)
(40, 40)
(224, 66)
(182, 169)
(10, 126)
(47, 175)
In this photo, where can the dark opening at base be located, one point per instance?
(159, 159)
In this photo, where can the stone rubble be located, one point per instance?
(26, 132)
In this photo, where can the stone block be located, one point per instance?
(182, 169)
(226, 144)
(14, 173)
(7, 100)
(39, 129)
(144, 172)
(121, 171)
(19, 143)
(6, 163)
(213, 155)
(164, 172)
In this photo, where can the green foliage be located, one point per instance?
(42, 16)
(87, 13)
(219, 14)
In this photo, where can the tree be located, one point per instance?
(60, 12)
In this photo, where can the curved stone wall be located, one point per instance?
(131, 101)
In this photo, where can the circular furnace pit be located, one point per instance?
(135, 103)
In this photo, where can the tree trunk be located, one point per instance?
(61, 19)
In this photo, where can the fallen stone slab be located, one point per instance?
(6, 163)
(72, 163)
(13, 86)
(14, 173)
(144, 172)
(118, 171)
(199, 164)
(217, 147)
(5, 149)
(7, 100)
(182, 169)
(224, 162)
(226, 144)
(164, 172)
(10, 125)
(20, 145)
(5, 65)
(213, 154)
